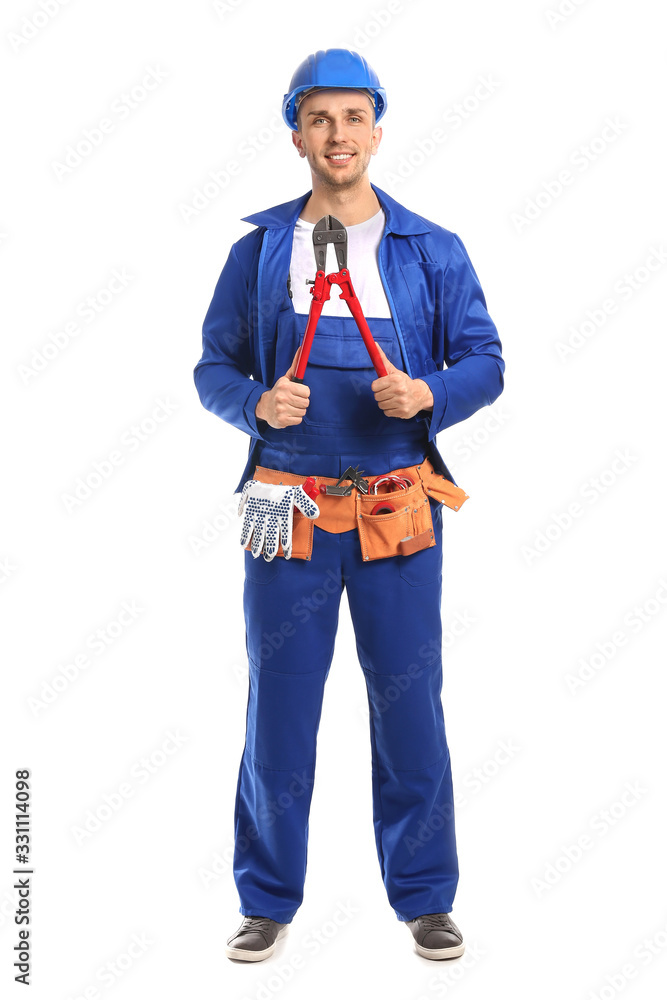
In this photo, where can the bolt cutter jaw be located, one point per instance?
(329, 229)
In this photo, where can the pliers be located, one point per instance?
(331, 230)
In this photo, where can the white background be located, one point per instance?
(542, 596)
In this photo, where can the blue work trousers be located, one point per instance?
(291, 615)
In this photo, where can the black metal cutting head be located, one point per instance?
(329, 229)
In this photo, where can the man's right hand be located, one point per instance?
(285, 404)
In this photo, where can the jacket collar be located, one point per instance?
(399, 219)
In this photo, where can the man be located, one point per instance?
(425, 309)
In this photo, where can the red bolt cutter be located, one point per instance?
(331, 230)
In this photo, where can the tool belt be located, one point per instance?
(405, 530)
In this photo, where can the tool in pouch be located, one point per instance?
(395, 521)
(387, 528)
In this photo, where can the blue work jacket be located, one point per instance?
(446, 335)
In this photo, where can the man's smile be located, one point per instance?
(339, 157)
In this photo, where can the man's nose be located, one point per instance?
(338, 133)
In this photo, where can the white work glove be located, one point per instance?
(268, 516)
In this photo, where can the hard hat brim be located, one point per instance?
(292, 100)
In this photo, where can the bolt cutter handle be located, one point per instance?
(321, 291)
(348, 293)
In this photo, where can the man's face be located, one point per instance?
(337, 136)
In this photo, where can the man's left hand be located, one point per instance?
(398, 394)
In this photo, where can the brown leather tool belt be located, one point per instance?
(407, 529)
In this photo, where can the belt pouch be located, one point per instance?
(302, 526)
(408, 528)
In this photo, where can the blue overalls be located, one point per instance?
(291, 615)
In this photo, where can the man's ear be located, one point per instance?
(375, 139)
(298, 142)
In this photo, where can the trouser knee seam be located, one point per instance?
(285, 673)
(385, 763)
(268, 767)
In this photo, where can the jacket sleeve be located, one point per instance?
(468, 341)
(222, 375)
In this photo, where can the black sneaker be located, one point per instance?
(255, 939)
(436, 936)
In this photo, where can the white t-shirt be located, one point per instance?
(363, 241)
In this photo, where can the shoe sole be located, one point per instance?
(245, 955)
(455, 951)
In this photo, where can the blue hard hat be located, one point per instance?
(334, 69)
